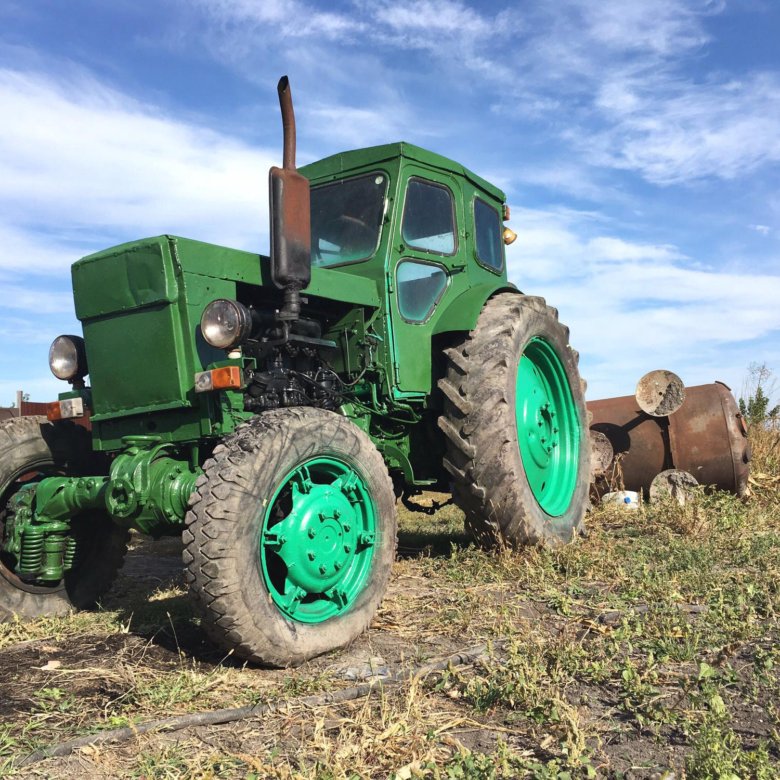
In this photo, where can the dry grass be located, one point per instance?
(652, 643)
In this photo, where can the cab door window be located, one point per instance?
(429, 217)
(487, 225)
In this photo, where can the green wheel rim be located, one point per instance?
(548, 430)
(317, 540)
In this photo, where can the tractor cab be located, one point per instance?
(425, 228)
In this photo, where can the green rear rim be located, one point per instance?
(317, 540)
(548, 428)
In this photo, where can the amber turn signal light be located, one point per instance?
(65, 410)
(223, 378)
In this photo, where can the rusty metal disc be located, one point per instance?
(672, 482)
(660, 393)
(601, 453)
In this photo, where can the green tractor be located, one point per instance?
(272, 410)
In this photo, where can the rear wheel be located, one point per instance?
(32, 448)
(291, 536)
(515, 421)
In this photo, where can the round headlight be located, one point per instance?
(225, 323)
(67, 358)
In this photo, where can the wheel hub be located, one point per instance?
(324, 541)
(317, 539)
(547, 427)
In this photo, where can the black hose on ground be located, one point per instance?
(232, 714)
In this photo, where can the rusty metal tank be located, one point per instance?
(706, 437)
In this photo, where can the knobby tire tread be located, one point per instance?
(481, 453)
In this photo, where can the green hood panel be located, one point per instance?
(130, 276)
(139, 337)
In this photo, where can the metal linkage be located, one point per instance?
(148, 489)
(149, 486)
(38, 531)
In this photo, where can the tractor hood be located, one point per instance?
(140, 306)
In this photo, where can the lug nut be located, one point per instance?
(323, 569)
(311, 555)
(312, 533)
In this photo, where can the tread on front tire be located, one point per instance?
(490, 421)
(256, 586)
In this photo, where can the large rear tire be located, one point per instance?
(291, 537)
(515, 421)
(32, 448)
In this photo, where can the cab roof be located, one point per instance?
(344, 162)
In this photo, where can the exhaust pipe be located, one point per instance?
(290, 215)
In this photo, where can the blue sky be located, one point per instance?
(638, 143)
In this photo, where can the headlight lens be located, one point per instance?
(67, 358)
(225, 323)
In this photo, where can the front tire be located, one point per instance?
(291, 536)
(32, 448)
(515, 421)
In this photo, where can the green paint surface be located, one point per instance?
(547, 428)
(317, 540)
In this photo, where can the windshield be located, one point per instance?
(346, 219)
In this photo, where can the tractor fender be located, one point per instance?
(463, 311)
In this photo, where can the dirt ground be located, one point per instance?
(646, 650)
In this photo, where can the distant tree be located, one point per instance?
(757, 390)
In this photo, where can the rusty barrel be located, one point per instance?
(706, 437)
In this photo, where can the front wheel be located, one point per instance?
(291, 536)
(515, 421)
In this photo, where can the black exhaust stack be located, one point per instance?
(290, 217)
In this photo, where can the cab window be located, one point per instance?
(487, 225)
(429, 217)
(420, 286)
(346, 219)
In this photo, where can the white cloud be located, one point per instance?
(663, 27)
(431, 18)
(77, 158)
(293, 19)
(608, 75)
(764, 230)
(679, 131)
(24, 298)
(633, 306)
(565, 176)
(613, 249)
(344, 127)
(32, 252)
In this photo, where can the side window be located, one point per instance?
(420, 286)
(429, 217)
(487, 226)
